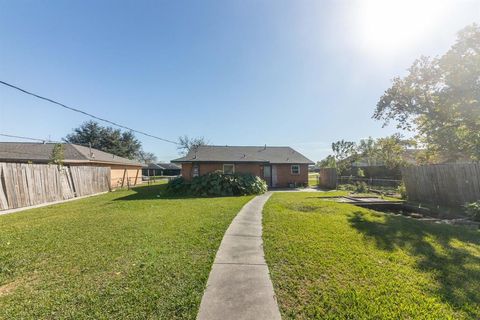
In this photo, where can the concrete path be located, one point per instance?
(239, 285)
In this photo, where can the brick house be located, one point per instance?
(279, 166)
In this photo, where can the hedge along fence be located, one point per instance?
(443, 184)
(23, 185)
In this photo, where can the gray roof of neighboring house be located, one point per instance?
(152, 166)
(162, 166)
(169, 166)
(244, 154)
(73, 153)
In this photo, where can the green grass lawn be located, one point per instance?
(122, 255)
(337, 261)
(312, 179)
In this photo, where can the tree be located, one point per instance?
(343, 149)
(344, 153)
(57, 156)
(146, 157)
(328, 162)
(439, 99)
(123, 144)
(186, 144)
(391, 150)
(367, 150)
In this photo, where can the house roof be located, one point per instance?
(162, 166)
(169, 166)
(244, 154)
(73, 153)
(152, 166)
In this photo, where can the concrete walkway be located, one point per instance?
(239, 285)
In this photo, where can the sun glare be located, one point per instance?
(387, 27)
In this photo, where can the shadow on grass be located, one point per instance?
(455, 267)
(156, 191)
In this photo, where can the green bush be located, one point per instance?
(346, 187)
(361, 187)
(473, 210)
(218, 184)
(402, 190)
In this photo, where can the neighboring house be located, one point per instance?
(123, 171)
(161, 169)
(278, 166)
(152, 170)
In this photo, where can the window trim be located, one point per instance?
(291, 169)
(228, 164)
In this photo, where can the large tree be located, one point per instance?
(146, 157)
(439, 99)
(186, 144)
(345, 154)
(123, 144)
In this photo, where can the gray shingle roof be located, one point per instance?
(244, 154)
(41, 152)
(169, 166)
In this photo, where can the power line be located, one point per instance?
(25, 138)
(86, 113)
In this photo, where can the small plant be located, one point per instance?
(473, 210)
(360, 173)
(361, 187)
(57, 155)
(346, 187)
(402, 190)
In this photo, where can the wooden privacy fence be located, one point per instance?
(443, 184)
(23, 185)
(327, 178)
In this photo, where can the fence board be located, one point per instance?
(327, 178)
(443, 184)
(24, 184)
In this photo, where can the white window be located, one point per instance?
(295, 169)
(228, 168)
(195, 172)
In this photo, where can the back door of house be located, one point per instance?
(267, 175)
(274, 176)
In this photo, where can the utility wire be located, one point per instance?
(86, 113)
(25, 138)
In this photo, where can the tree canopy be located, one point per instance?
(123, 144)
(439, 99)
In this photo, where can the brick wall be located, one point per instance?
(285, 176)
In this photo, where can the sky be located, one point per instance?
(282, 73)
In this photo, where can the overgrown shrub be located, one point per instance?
(178, 186)
(361, 187)
(473, 210)
(218, 184)
(402, 190)
(346, 187)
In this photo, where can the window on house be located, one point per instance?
(295, 169)
(195, 171)
(228, 168)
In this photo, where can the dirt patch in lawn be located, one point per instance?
(10, 287)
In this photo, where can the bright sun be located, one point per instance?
(386, 27)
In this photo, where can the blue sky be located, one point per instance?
(297, 73)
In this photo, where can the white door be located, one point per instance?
(274, 176)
